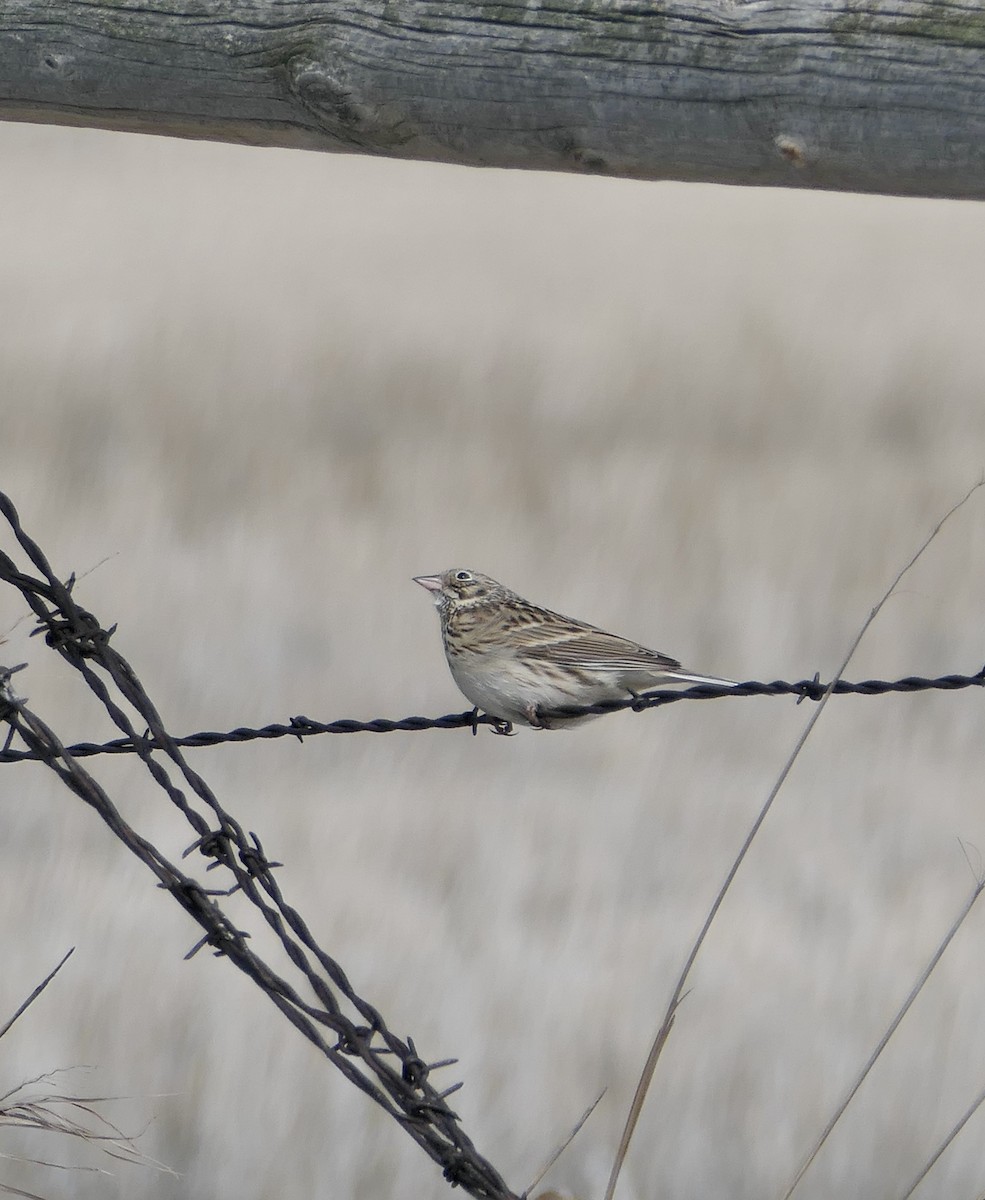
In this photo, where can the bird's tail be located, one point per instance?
(687, 677)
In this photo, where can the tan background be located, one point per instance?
(267, 387)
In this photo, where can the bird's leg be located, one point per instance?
(503, 728)
(639, 703)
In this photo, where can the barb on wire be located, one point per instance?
(382, 1065)
(302, 727)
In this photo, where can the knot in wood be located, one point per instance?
(333, 100)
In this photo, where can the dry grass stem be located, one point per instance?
(36, 993)
(56, 1113)
(955, 1130)
(884, 1040)
(564, 1145)
(663, 1032)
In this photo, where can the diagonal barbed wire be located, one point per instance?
(301, 727)
(382, 1065)
(349, 1031)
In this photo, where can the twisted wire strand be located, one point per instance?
(301, 726)
(382, 1065)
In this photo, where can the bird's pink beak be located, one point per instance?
(431, 582)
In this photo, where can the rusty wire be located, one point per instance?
(384, 1066)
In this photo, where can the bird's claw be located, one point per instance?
(503, 728)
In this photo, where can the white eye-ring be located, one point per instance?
(464, 576)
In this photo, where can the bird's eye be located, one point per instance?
(464, 576)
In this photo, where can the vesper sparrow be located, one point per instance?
(518, 662)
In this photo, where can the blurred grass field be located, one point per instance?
(251, 392)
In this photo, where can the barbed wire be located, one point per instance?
(385, 1067)
(302, 727)
(382, 1065)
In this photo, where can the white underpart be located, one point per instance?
(501, 687)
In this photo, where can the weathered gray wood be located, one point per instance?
(866, 95)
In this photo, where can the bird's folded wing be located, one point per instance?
(592, 649)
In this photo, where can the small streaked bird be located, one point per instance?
(518, 662)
